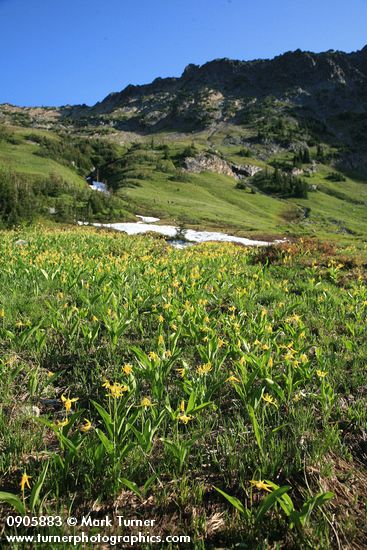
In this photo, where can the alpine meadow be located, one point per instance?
(183, 311)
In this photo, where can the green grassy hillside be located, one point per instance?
(148, 178)
(21, 156)
(43, 175)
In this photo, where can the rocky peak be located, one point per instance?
(326, 85)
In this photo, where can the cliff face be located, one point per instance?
(325, 84)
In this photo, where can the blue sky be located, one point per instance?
(55, 52)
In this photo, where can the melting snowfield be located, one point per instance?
(191, 236)
(99, 186)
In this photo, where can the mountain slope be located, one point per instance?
(300, 114)
(323, 86)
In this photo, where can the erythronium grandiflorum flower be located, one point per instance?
(146, 402)
(185, 418)
(261, 485)
(25, 482)
(232, 378)
(321, 373)
(127, 369)
(204, 369)
(86, 426)
(269, 399)
(153, 356)
(116, 389)
(68, 402)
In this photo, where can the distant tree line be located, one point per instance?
(280, 183)
(24, 200)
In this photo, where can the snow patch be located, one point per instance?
(99, 186)
(147, 219)
(191, 235)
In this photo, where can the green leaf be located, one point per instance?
(44, 273)
(285, 500)
(105, 417)
(35, 493)
(108, 445)
(199, 407)
(191, 402)
(314, 502)
(68, 443)
(132, 486)
(270, 500)
(149, 482)
(233, 500)
(13, 500)
(255, 426)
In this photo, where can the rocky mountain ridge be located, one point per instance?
(325, 84)
(295, 100)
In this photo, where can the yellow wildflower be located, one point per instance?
(50, 373)
(153, 356)
(269, 399)
(261, 485)
(25, 482)
(86, 426)
(127, 369)
(232, 378)
(68, 402)
(160, 340)
(116, 390)
(2, 312)
(181, 372)
(146, 402)
(204, 369)
(321, 373)
(161, 318)
(185, 418)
